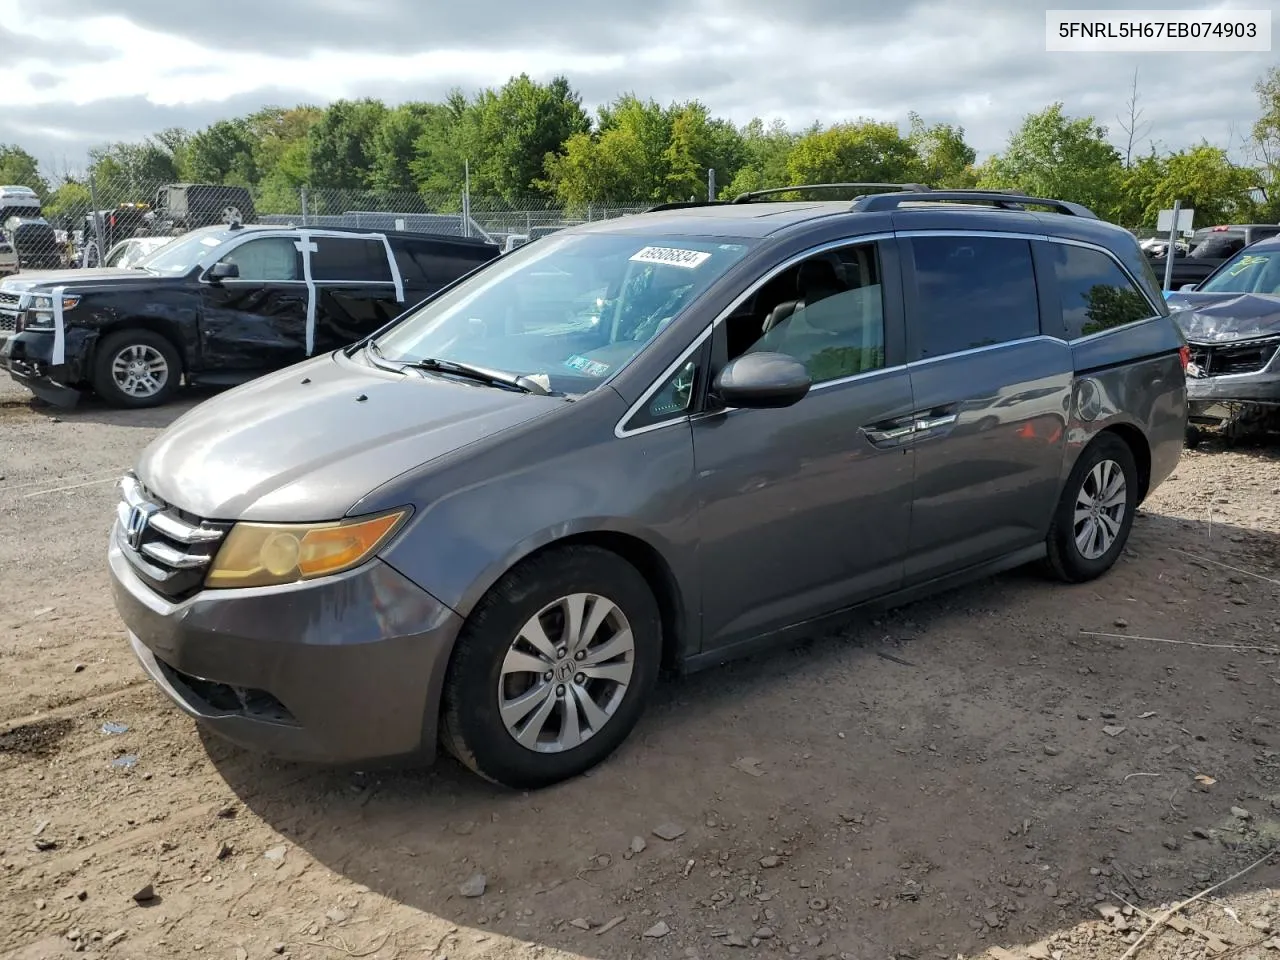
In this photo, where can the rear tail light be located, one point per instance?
(1184, 354)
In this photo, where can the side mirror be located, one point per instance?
(223, 271)
(762, 381)
(1187, 287)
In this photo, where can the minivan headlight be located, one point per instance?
(268, 554)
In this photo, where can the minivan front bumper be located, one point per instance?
(344, 669)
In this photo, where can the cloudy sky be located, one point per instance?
(78, 73)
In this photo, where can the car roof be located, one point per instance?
(1266, 243)
(757, 220)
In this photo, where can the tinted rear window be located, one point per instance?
(435, 264)
(351, 259)
(1096, 294)
(972, 292)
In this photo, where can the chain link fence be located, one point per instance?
(101, 221)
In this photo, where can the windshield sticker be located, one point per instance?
(1244, 264)
(673, 257)
(592, 368)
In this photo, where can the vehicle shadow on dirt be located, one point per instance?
(981, 768)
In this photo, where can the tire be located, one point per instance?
(473, 728)
(1195, 436)
(111, 383)
(1067, 561)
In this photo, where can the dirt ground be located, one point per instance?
(1005, 768)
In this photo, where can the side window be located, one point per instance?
(827, 312)
(350, 259)
(267, 259)
(673, 399)
(972, 291)
(1096, 294)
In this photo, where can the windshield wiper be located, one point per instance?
(482, 374)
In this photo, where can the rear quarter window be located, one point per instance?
(436, 264)
(1096, 295)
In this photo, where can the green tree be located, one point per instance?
(1266, 142)
(943, 158)
(765, 151)
(394, 144)
(130, 172)
(1139, 186)
(862, 152)
(1066, 158)
(341, 145)
(441, 152)
(223, 153)
(68, 203)
(20, 169)
(1205, 179)
(645, 152)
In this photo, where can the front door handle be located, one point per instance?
(932, 423)
(890, 432)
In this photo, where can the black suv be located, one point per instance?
(220, 305)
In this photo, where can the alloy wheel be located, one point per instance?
(566, 673)
(1100, 507)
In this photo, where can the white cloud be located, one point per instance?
(81, 72)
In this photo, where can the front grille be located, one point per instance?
(1222, 359)
(9, 311)
(169, 548)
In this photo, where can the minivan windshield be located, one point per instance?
(1247, 273)
(568, 309)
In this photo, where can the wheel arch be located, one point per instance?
(152, 324)
(1137, 443)
(641, 554)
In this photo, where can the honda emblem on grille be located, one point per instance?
(139, 517)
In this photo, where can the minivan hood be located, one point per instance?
(306, 443)
(1223, 317)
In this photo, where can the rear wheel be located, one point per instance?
(136, 368)
(1095, 514)
(553, 668)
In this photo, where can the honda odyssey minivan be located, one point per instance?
(645, 444)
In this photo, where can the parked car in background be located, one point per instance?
(1210, 248)
(722, 425)
(1232, 323)
(19, 201)
(180, 207)
(8, 257)
(220, 305)
(36, 243)
(128, 253)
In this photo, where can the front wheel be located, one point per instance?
(136, 368)
(1095, 513)
(553, 668)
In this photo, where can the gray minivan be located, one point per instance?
(648, 443)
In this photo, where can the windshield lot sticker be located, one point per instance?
(672, 257)
(592, 368)
(1244, 264)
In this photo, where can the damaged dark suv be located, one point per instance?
(1232, 325)
(220, 305)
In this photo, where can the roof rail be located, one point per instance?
(685, 204)
(1005, 199)
(748, 197)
